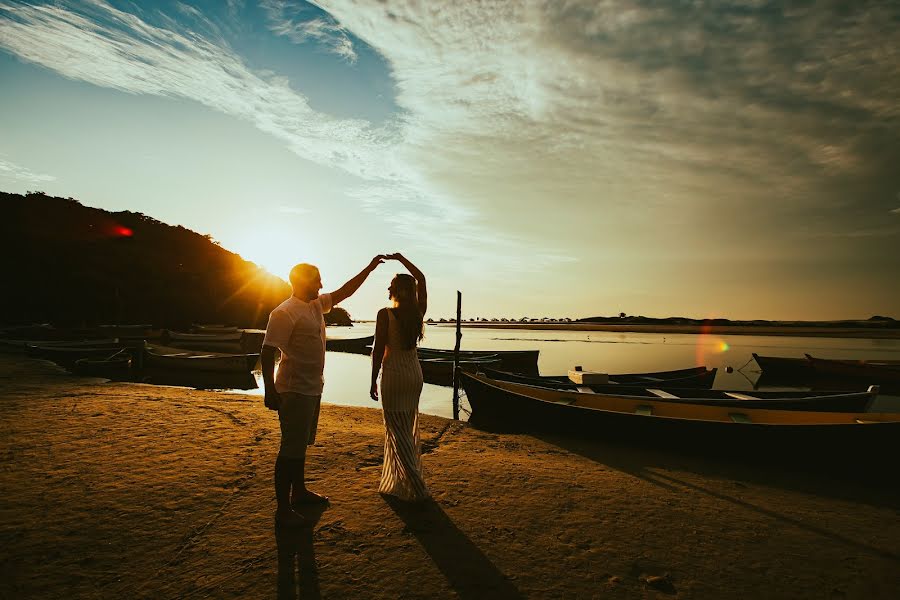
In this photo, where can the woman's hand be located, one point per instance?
(373, 392)
(272, 400)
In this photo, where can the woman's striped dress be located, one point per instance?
(401, 386)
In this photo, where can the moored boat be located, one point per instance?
(117, 366)
(214, 329)
(164, 357)
(784, 367)
(357, 345)
(829, 401)
(872, 371)
(67, 355)
(439, 371)
(514, 361)
(695, 377)
(855, 439)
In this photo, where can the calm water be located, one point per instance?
(347, 375)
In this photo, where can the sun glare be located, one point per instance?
(271, 250)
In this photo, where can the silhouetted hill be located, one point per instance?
(70, 264)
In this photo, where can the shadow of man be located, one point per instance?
(298, 576)
(469, 572)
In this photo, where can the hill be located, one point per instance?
(70, 264)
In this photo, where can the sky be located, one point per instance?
(736, 159)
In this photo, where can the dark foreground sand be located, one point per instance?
(131, 491)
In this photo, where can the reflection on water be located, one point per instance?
(347, 375)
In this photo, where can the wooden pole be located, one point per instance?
(456, 355)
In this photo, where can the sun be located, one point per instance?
(272, 250)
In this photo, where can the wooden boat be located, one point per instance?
(358, 345)
(22, 345)
(214, 329)
(829, 401)
(782, 367)
(513, 361)
(872, 371)
(175, 336)
(168, 358)
(66, 356)
(696, 377)
(117, 366)
(439, 371)
(857, 440)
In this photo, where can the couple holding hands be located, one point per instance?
(296, 328)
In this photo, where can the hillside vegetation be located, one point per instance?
(70, 264)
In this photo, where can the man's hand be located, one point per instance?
(373, 392)
(379, 259)
(273, 400)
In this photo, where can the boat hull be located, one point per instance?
(699, 377)
(851, 443)
(355, 345)
(524, 362)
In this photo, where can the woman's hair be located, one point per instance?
(403, 291)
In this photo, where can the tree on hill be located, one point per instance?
(75, 265)
(338, 316)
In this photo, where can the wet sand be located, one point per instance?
(795, 331)
(133, 491)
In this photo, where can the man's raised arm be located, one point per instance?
(348, 289)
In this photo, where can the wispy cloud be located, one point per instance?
(621, 126)
(293, 21)
(100, 44)
(293, 210)
(10, 170)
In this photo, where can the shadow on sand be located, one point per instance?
(298, 576)
(662, 469)
(469, 572)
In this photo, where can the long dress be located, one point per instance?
(401, 386)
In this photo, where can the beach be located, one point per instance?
(122, 490)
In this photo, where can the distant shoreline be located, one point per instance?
(775, 330)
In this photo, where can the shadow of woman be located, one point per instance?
(469, 572)
(298, 576)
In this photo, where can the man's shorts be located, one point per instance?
(299, 417)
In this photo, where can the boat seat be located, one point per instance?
(738, 396)
(663, 394)
(644, 409)
(585, 390)
(739, 418)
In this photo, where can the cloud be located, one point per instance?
(292, 20)
(100, 44)
(293, 210)
(629, 123)
(111, 48)
(10, 170)
(548, 130)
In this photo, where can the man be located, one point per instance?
(297, 329)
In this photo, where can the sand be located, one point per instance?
(131, 491)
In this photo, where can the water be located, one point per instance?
(347, 376)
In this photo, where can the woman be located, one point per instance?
(397, 332)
